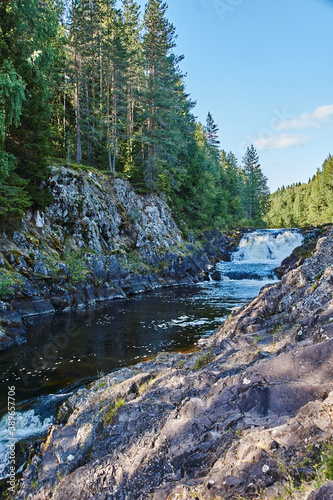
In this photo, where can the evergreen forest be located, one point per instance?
(97, 84)
(303, 205)
(94, 84)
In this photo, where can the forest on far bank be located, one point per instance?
(303, 205)
(90, 85)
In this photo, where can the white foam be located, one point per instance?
(267, 245)
(27, 424)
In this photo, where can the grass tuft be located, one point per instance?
(110, 413)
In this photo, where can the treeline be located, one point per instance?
(301, 205)
(96, 85)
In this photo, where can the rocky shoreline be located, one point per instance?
(248, 416)
(98, 241)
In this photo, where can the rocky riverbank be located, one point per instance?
(98, 241)
(247, 416)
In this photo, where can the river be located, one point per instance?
(62, 353)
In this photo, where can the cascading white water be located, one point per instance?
(259, 253)
(27, 424)
(267, 245)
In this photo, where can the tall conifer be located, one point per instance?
(256, 191)
(165, 104)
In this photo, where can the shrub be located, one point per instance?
(7, 283)
(77, 267)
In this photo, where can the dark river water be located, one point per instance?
(63, 353)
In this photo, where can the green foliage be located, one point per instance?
(101, 88)
(134, 261)
(320, 459)
(148, 384)
(212, 134)
(28, 32)
(255, 195)
(11, 99)
(302, 205)
(7, 283)
(110, 413)
(162, 266)
(14, 200)
(165, 104)
(10, 283)
(77, 267)
(326, 466)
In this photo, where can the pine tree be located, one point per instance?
(134, 82)
(166, 105)
(118, 59)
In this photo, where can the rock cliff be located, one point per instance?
(248, 416)
(99, 240)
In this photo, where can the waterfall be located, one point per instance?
(259, 253)
(267, 245)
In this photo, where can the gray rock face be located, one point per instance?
(108, 215)
(231, 421)
(99, 240)
(323, 493)
(20, 240)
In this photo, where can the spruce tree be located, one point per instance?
(13, 196)
(256, 191)
(28, 33)
(12, 95)
(33, 46)
(233, 179)
(212, 132)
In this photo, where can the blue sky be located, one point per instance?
(264, 69)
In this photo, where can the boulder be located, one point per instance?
(323, 493)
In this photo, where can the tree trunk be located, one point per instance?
(87, 121)
(108, 124)
(64, 118)
(114, 120)
(77, 112)
(77, 92)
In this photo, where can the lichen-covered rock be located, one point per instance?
(106, 214)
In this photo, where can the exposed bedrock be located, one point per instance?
(244, 417)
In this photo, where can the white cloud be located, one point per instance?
(323, 113)
(281, 141)
(307, 120)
